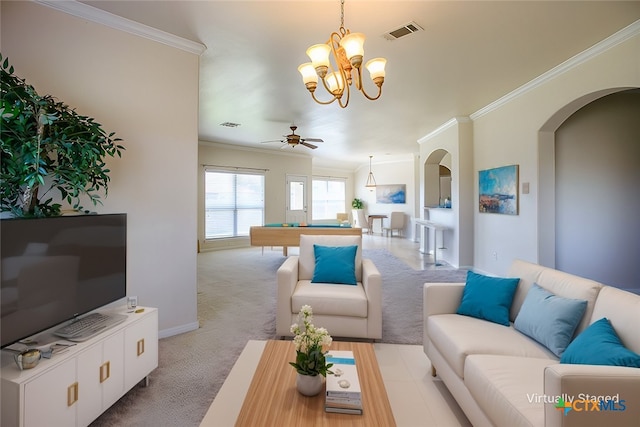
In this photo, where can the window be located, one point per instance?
(233, 203)
(328, 196)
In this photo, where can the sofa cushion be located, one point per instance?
(488, 298)
(330, 299)
(549, 319)
(335, 264)
(599, 345)
(509, 390)
(622, 308)
(457, 337)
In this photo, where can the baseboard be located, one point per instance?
(166, 333)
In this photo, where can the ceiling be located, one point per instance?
(470, 54)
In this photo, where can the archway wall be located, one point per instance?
(597, 153)
(456, 139)
(513, 130)
(547, 174)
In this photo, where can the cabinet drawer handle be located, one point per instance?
(72, 394)
(140, 346)
(105, 371)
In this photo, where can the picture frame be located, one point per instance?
(393, 193)
(498, 190)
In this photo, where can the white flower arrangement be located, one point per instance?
(311, 345)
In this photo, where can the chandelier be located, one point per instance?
(338, 63)
(371, 181)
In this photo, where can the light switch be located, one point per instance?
(525, 188)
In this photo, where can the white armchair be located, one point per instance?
(344, 310)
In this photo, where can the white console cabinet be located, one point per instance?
(73, 388)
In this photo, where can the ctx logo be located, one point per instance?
(584, 405)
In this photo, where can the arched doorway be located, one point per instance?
(437, 178)
(583, 197)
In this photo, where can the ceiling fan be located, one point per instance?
(294, 139)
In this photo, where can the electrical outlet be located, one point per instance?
(494, 255)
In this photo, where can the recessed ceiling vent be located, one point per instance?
(404, 30)
(230, 124)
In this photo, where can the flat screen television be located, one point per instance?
(54, 269)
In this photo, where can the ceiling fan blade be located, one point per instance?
(306, 144)
(313, 139)
(273, 140)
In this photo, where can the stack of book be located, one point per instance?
(343, 388)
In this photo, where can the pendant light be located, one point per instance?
(371, 181)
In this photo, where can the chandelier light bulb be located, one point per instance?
(376, 69)
(309, 75)
(353, 45)
(335, 83)
(319, 55)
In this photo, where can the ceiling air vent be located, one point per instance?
(404, 30)
(230, 124)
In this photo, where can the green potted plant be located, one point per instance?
(46, 147)
(357, 213)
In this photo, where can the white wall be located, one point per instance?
(388, 172)
(510, 134)
(147, 93)
(456, 138)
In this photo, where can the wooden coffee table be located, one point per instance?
(272, 398)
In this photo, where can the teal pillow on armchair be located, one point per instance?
(335, 264)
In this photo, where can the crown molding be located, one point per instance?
(443, 127)
(615, 39)
(108, 19)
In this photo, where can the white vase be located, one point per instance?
(309, 385)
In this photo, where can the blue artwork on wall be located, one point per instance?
(395, 193)
(498, 190)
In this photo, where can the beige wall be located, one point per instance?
(147, 93)
(511, 134)
(277, 164)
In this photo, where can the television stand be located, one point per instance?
(75, 386)
(82, 328)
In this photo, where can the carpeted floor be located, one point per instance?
(236, 303)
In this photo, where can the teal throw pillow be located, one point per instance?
(600, 345)
(335, 264)
(488, 298)
(549, 319)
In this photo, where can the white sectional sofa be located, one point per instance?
(501, 377)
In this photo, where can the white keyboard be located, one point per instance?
(86, 327)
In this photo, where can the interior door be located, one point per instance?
(296, 209)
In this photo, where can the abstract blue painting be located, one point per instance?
(395, 193)
(498, 190)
